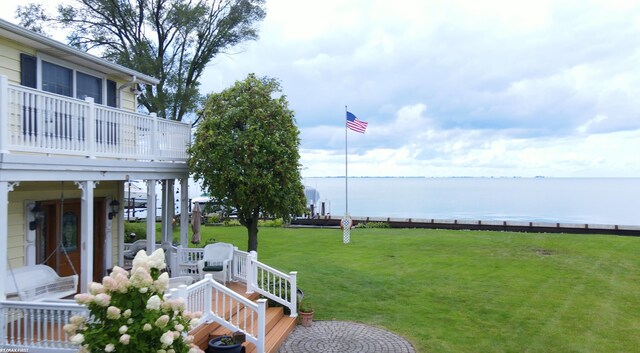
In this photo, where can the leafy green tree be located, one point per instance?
(245, 152)
(172, 40)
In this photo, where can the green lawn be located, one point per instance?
(467, 291)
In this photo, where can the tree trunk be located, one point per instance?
(252, 230)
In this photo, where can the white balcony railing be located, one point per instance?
(41, 122)
(37, 326)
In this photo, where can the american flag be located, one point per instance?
(356, 125)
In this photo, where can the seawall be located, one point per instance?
(510, 226)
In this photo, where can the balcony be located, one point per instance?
(38, 122)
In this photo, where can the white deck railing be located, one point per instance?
(41, 122)
(37, 326)
(222, 305)
(273, 284)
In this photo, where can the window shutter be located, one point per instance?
(111, 93)
(28, 71)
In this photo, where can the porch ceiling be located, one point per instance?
(20, 167)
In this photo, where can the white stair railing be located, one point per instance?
(222, 305)
(271, 283)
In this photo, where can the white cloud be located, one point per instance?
(466, 87)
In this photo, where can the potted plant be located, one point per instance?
(224, 344)
(305, 312)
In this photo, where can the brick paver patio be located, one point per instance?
(342, 337)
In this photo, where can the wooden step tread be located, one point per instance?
(276, 337)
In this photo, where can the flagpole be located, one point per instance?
(345, 222)
(346, 166)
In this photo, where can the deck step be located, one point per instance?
(277, 325)
(277, 335)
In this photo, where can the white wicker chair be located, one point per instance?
(216, 260)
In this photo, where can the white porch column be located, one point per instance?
(86, 212)
(167, 210)
(107, 244)
(5, 188)
(184, 212)
(171, 208)
(121, 224)
(151, 215)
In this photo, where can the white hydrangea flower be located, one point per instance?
(140, 261)
(154, 303)
(113, 313)
(77, 320)
(167, 338)
(162, 321)
(162, 283)
(124, 339)
(77, 338)
(156, 260)
(70, 329)
(127, 313)
(141, 278)
(179, 328)
(123, 329)
(109, 347)
(110, 284)
(84, 298)
(147, 327)
(102, 299)
(96, 288)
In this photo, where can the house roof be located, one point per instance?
(59, 50)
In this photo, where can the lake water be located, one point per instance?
(564, 200)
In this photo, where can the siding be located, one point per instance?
(43, 191)
(10, 58)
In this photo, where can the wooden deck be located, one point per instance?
(278, 325)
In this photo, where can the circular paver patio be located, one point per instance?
(342, 337)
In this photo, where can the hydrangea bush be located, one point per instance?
(128, 312)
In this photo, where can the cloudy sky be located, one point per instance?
(454, 88)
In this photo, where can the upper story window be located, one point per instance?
(57, 79)
(88, 86)
(66, 81)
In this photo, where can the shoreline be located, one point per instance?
(511, 226)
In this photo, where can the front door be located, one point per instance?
(60, 237)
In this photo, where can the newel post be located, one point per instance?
(91, 126)
(4, 114)
(262, 325)
(250, 267)
(208, 296)
(293, 295)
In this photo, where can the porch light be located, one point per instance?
(38, 216)
(114, 208)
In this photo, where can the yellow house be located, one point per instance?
(70, 137)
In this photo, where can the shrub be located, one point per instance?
(231, 223)
(278, 222)
(373, 225)
(128, 312)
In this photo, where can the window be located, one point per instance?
(111, 93)
(28, 70)
(57, 79)
(88, 86)
(60, 80)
